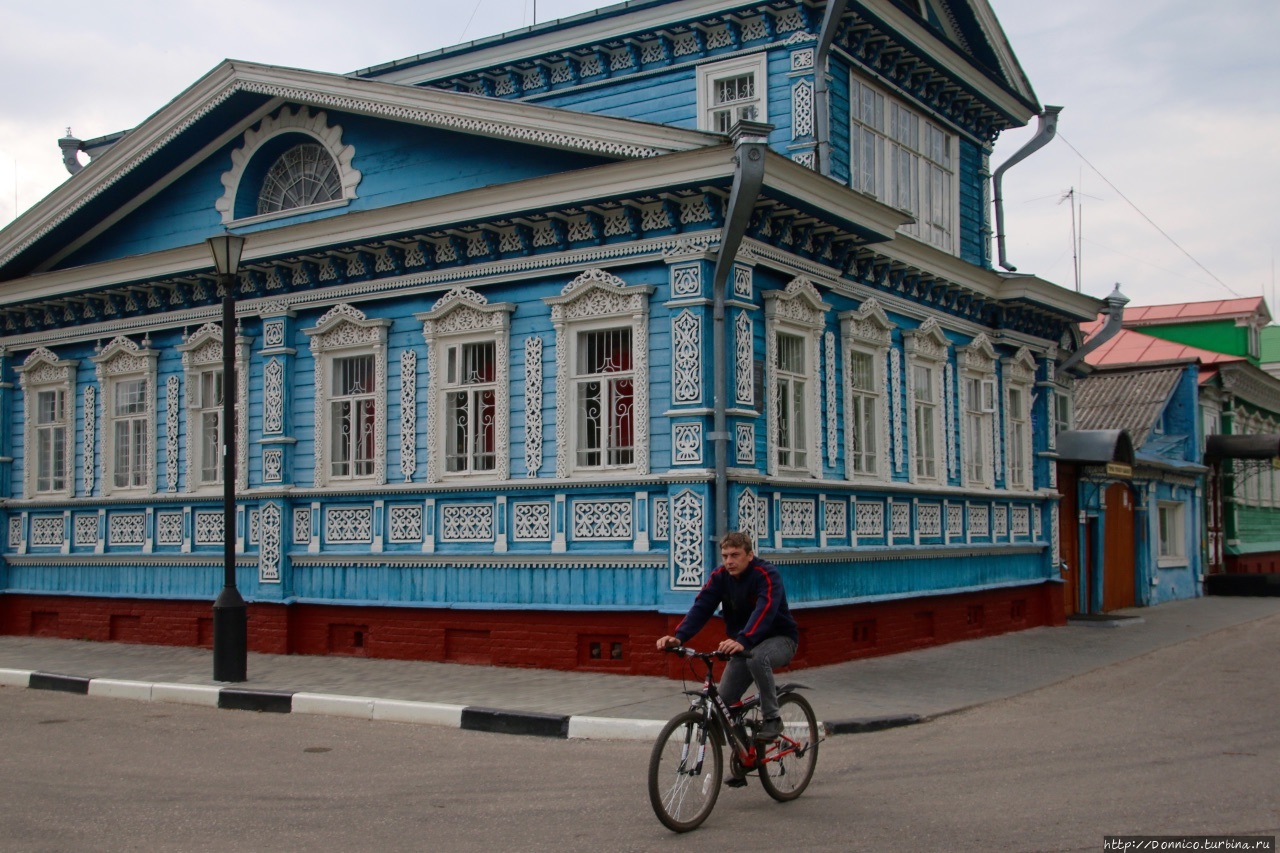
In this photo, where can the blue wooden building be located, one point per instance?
(523, 324)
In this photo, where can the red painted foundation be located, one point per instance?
(569, 640)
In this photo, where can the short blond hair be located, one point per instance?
(738, 539)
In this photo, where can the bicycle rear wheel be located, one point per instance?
(685, 769)
(789, 763)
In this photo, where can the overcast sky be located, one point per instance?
(1170, 104)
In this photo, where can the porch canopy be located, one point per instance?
(1241, 447)
(1095, 446)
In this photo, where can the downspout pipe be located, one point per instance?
(1114, 312)
(1044, 134)
(750, 142)
(821, 92)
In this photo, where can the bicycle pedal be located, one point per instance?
(736, 783)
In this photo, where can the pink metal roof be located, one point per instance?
(1130, 347)
(1185, 312)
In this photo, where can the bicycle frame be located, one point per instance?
(709, 702)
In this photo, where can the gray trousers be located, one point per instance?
(740, 672)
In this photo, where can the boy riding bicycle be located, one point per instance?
(749, 593)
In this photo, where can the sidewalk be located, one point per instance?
(849, 697)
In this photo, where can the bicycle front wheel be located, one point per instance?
(685, 770)
(789, 763)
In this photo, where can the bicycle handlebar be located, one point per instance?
(686, 651)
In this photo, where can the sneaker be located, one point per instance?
(770, 730)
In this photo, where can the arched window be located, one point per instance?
(303, 175)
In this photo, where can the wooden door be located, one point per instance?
(1118, 559)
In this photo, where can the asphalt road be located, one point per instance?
(1183, 740)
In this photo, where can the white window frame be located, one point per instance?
(598, 300)
(978, 413)
(44, 373)
(119, 362)
(344, 332)
(1019, 378)
(927, 348)
(867, 331)
(202, 354)
(798, 310)
(906, 160)
(1171, 533)
(709, 74)
(460, 318)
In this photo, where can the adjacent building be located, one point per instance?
(523, 325)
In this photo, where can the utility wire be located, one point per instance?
(1148, 218)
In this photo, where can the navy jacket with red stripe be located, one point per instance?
(754, 605)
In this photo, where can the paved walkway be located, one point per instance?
(848, 697)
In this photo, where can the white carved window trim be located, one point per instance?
(202, 353)
(754, 108)
(302, 122)
(463, 316)
(599, 300)
(44, 372)
(1019, 377)
(342, 332)
(121, 361)
(927, 347)
(978, 416)
(870, 332)
(797, 311)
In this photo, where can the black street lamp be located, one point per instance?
(230, 616)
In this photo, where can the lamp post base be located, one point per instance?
(230, 636)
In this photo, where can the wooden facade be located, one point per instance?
(523, 324)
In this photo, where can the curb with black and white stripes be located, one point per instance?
(470, 717)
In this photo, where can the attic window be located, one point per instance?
(302, 176)
(293, 160)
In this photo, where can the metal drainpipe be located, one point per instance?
(821, 94)
(750, 140)
(1114, 310)
(1047, 130)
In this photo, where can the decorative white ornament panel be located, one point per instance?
(900, 519)
(467, 522)
(980, 520)
(688, 558)
(602, 520)
(273, 333)
(743, 360)
(1000, 521)
(797, 518)
(533, 406)
(745, 444)
(686, 444)
(686, 355)
(47, 530)
(348, 525)
(404, 522)
(531, 522)
(127, 528)
(15, 531)
(836, 518)
(895, 392)
(270, 543)
(168, 528)
(955, 520)
(929, 519)
(1021, 521)
(829, 383)
(408, 414)
(273, 465)
(742, 282)
(86, 529)
(661, 519)
(90, 436)
(301, 525)
(273, 397)
(209, 527)
(802, 109)
(686, 280)
(948, 410)
(868, 518)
